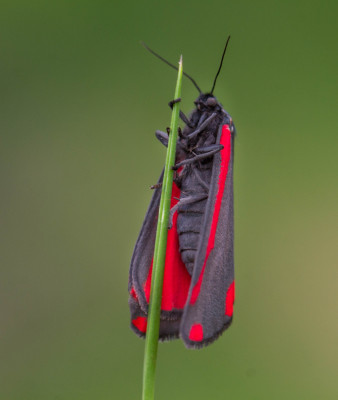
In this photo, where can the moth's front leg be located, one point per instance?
(204, 152)
(183, 117)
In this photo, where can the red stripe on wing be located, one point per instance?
(176, 280)
(229, 300)
(133, 293)
(225, 157)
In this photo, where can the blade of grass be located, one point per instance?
(153, 326)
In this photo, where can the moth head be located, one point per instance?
(207, 102)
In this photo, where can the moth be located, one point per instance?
(198, 289)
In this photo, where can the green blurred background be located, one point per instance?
(80, 102)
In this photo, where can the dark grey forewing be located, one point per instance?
(209, 309)
(139, 270)
(144, 250)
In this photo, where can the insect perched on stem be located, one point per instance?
(198, 287)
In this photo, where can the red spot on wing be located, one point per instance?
(229, 300)
(196, 333)
(133, 293)
(140, 323)
(176, 280)
(225, 157)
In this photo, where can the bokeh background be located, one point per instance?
(80, 102)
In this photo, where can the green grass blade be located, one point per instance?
(151, 344)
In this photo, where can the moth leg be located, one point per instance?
(183, 117)
(162, 137)
(198, 157)
(156, 186)
(184, 201)
(202, 126)
(207, 149)
(172, 102)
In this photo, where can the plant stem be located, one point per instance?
(153, 325)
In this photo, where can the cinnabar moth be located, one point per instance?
(198, 288)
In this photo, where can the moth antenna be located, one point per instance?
(220, 66)
(171, 65)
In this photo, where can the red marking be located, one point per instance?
(225, 157)
(176, 280)
(147, 285)
(196, 333)
(140, 323)
(229, 300)
(133, 293)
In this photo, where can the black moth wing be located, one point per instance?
(139, 270)
(207, 315)
(144, 250)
